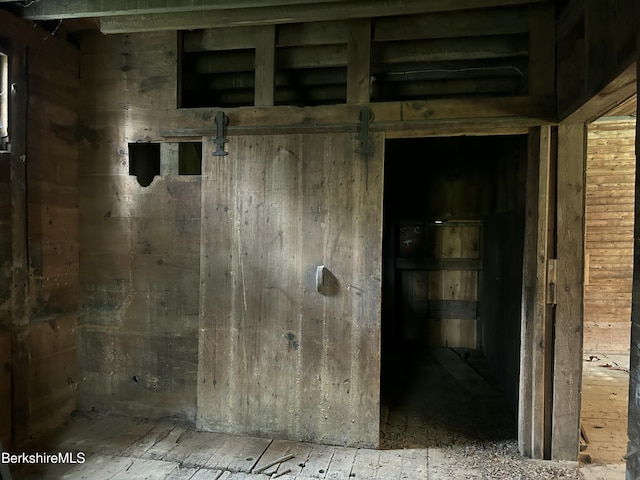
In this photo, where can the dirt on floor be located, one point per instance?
(468, 436)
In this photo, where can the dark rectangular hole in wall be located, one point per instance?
(190, 158)
(144, 162)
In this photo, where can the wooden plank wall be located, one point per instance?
(6, 403)
(44, 292)
(276, 356)
(633, 458)
(140, 245)
(609, 235)
(5, 299)
(52, 178)
(5, 239)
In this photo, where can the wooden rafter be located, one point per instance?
(280, 14)
(61, 9)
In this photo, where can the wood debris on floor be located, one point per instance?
(452, 432)
(119, 448)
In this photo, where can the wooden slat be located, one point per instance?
(449, 309)
(569, 309)
(479, 22)
(265, 66)
(359, 61)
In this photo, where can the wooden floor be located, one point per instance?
(605, 396)
(427, 434)
(119, 448)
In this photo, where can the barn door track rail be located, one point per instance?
(365, 147)
(222, 120)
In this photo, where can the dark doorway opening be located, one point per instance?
(454, 214)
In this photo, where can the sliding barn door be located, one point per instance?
(288, 349)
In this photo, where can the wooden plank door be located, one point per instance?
(276, 357)
(453, 284)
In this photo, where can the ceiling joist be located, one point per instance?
(283, 14)
(63, 9)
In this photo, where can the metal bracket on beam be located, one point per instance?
(221, 121)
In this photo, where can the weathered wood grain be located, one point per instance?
(280, 346)
(569, 309)
(5, 389)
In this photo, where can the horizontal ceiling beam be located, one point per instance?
(63, 9)
(289, 14)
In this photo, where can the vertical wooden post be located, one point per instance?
(359, 61)
(633, 455)
(542, 314)
(534, 350)
(19, 248)
(265, 66)
(567, 372)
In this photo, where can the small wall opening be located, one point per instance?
(144, 162)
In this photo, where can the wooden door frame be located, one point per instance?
(552, 320)
(537, 313)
